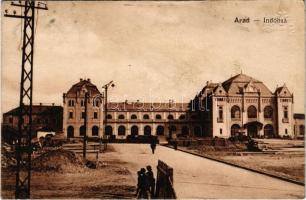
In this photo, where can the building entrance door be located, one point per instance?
(252, 131)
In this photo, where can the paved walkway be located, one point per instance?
(196, 177)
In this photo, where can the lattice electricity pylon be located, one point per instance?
(23, 144)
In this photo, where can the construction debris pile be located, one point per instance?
(58, 160)
(8, 157)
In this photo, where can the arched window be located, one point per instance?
(268, 131)
(82, 130)
(185, 130)
(302, 129)
(109, 116)
(145, 116)
(182, 117)
(121, 130)
(197, 131)
(172, 128)
(170, 117)
(160, 130)
(96, 103)
(70, 132)
(121, 117)
(235, 130)
(134, 130)
(95, 131)
(235, 112)
(82, 102)
(158, 116)
(252, 112)
(268, 112)
(108, 130)
(133, 116)
(71, 103)
(147, 130)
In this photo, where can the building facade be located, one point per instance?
(244, 105)
(239, 105)
(124, 118)
(44, 117)
(299, 125)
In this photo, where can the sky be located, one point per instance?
(155, 51)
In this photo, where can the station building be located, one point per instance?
(124, 118)
(239, 105)
(245, 105)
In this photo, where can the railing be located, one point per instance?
(220, 120)
(285, 120)
(253, 119)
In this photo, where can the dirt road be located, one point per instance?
(196, 177)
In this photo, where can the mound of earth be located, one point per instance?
(57, 160)
(7, 158)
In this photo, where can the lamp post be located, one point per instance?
(85, 125)
(105, 87)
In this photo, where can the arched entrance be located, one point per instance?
(197, 131)
(95, 131)
(82, 130)
(268, 131)
(134, 130)
(121, 130)
(160, 130)
(108, 130)
(185, 131)
(70, 132)
(235, 130)
(147, 130)
(302, 129)
(252, 130)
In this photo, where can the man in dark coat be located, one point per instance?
(143, 189)
(153, 145)
(151, 180)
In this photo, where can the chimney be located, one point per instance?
(88, 80)
(81, 79)
(40, 104)
(53, 104)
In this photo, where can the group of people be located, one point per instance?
(146, 183)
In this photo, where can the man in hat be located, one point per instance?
(151, 180)
(143, 192)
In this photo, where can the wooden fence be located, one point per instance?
(164, 182)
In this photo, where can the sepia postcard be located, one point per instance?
(153, 99)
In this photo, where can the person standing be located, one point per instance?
(153, 145)
(143, 192)
(151, 180)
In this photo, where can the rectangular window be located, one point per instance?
(286, 131)
(11, 120)
(95, 115)
(220, 112)
(83, 115)
(70, 115)
(220, 131)
(286, 112)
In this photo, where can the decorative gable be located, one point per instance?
(219, 90)
(283, 91)
(251, 88)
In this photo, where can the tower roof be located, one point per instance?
(236, 84)
(83, 83)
